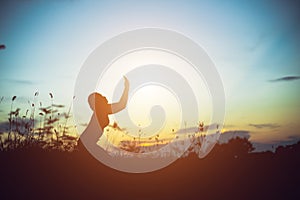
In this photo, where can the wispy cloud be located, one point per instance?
(269, 125)
(285, 78)
(294, 137)
(228, 135)
(19, 81)
(213, 126)
(229, 126)
(259, 42)
(4, 127)
(271, 146)
(84, 124)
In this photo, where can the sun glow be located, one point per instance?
(156, 78)
(148, 97)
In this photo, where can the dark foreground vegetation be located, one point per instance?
(39, 159)
(228, 172)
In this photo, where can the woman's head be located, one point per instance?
(96, 97)
(101, 108)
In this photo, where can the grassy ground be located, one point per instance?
(38, 161)
(224, 174)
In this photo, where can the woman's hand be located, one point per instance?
(126, 82)
(116, 107)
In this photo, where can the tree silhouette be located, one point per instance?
(236, 147)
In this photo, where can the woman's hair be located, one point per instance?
(96, 97)
(101, 108)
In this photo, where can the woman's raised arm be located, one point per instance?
(116, 107)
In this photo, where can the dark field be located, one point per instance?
(228, 172)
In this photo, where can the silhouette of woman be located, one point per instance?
(99, 120)
(87, 145)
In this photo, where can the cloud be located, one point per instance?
(23, 82)
(294, 138)
(227, 135)
(260, 41)
(262, 147)
(228, 126)
(84, 124)
(285, 78)
(260, 126)
(4, 126)
(195, 129)
(19, 81)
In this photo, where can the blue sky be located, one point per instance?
(251, 43)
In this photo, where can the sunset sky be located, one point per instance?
(254, 44)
